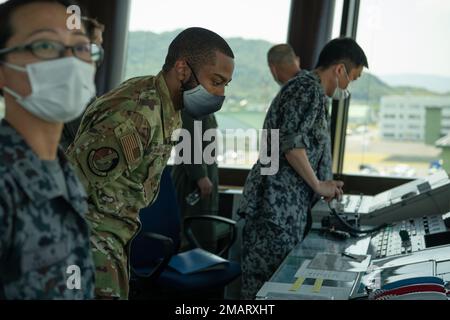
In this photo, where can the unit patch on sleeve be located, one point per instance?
(102, 161)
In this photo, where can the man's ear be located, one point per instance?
(274, 71)
(182, 70)
(338, 68)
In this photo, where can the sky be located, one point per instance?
(406, 36)
(396, 34)
(399, 36)
(250, 19)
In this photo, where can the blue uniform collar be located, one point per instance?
(29, 172)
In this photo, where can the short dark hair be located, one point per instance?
(9, 7)
(197, 46)
(92, 25)
(342, 50)
(281, 53)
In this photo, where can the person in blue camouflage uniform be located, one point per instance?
(42, 231)
(275, 207)
(44, 238)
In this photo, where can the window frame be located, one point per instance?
(354, 184)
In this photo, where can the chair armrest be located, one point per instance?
(213, 219)
(168, 247)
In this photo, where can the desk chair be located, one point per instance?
(159, 240)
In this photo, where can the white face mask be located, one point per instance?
(61, 89)
(341, 94)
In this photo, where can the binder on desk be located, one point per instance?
(197, 260)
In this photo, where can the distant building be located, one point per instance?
(444, 144)
(414, 118)
(361, 115)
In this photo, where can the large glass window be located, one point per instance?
(337, 20)
(2, 101)
(400, 108)
(251, 27)
(2, 108)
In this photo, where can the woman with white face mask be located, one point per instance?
(276, 207)
(47, 78)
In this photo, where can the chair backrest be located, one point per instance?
(162, 217)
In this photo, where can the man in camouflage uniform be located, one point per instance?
(44, 238)
(276, 207)
(125, 140)
(202, 178)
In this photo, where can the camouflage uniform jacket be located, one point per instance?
(42, 233)
(185, 176)
(121, 149)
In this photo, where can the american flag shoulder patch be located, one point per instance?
(131, 148)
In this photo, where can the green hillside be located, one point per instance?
(252, 88)
(369, 89)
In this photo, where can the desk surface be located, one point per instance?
(313, 244)
(317, 270)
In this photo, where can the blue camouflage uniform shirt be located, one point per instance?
(300, 113)
(275, 207)
(44, 238)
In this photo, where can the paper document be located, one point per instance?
(281, 291)
(306, 272)
(340, 262)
